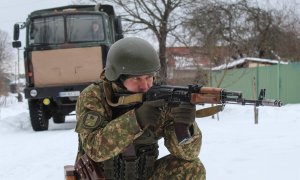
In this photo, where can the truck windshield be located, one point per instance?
(48, 30)
(79, 28)
(85, 28)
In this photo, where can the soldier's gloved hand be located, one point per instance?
(148, 113)
(184, 113)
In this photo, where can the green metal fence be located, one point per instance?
(281, 81)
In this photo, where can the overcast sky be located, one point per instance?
(12, 11)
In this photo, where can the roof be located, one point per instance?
(186, 58)
(235, 63)
(88, 8)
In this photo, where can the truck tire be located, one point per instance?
(59, 118)
(38, 115)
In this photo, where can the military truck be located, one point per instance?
(65, 51)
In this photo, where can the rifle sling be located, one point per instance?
(208, 111)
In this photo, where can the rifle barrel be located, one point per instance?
(242, 101)
(271, 102)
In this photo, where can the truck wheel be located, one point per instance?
(59, 118)
(38, 115)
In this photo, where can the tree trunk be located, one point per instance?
(163, 63)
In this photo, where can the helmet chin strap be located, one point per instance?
(120, 81)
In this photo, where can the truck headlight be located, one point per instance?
(33, 93)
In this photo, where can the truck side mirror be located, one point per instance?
(118, 27)
(16, 44)
(16, 32)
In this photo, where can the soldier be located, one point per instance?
(122, 139)
(96, 32)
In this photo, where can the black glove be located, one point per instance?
(184, 113)
(184, 117)
(148, 113)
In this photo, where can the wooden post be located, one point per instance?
(255, 97)
(255, 114)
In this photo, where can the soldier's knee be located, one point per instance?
(191, 169)
(171, 167)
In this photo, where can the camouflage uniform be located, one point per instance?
(106, 133)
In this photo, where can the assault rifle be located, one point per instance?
(195, 94)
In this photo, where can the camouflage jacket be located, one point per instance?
(104, 136)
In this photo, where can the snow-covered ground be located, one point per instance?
(234, 148)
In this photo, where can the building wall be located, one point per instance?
(186, 77)
(182, 77)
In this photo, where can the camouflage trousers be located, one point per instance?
(171, 167)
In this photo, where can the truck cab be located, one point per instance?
(65, 51)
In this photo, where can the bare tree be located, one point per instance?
(5, 54)
(213, 24)
(160, 17)
(274, 31)
(245, 28)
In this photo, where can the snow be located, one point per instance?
(234, 148)
(242, 60)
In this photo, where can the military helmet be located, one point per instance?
(131, 56)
